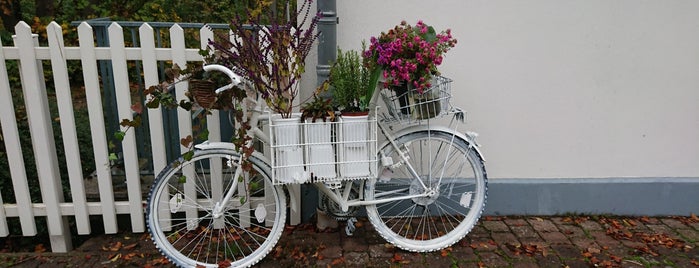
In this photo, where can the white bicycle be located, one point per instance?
(425, 188)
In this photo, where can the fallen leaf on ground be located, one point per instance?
(39, 248)
(130, 246)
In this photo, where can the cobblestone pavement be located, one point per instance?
(574, 241)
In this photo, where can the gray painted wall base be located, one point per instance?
(617, 196)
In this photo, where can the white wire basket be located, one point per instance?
(309, 152)
(412, 107)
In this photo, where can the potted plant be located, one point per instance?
(351, 83)
(318, 116)
(409, 56)
(272, 57)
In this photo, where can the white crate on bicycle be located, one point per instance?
(319, 149)
(331, 151)
(287, 150)
(354, 143)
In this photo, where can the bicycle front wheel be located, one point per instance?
(448, 193)
(181, 216)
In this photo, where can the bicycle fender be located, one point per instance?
(208, 145)
(468, 138)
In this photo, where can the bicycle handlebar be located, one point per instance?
(220, 68)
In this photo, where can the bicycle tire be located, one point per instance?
(434, 222)
(180, 217)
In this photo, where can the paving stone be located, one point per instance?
(524, 231)
(555, 238)
(562, 220)
(660, 229)
(576, 263)
(567, 252)
(356, 259)
(533, 241)
(549, 260)
(479, 231)
(496, 226)
(694, 225)
(673, 223)
(525, 264)
(689, 235)
(602, 239)
(465, 254)
(516, 222)
(381, 251)
(542, 225)
(331, 251)
(632, 244)
(590, 225)
(480, 245)
(354, 243)
(571, 230)
(491, 259)
(502, 238)
(437, 260)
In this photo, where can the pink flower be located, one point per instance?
(406, 55)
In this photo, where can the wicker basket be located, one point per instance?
(203, 92)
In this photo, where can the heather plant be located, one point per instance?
(272, 57)
(350, 81)
(409, 54)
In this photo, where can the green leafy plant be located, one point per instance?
(319, 107)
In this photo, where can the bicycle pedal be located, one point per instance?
(350, 228)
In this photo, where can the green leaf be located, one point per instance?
(119, 135)
(242, 200)
(182, 179)
(113, 157)
(188, 155)
(153, 103)
(373, 80)
(204, 135)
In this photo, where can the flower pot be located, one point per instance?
(288, 154)
(320, 152)
(203, 92)
(354, 147)
(402, 95)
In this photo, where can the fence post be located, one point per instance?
(41, 131)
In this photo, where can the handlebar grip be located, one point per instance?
(236, 79)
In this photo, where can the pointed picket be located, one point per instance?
(68, 130)
(184, 118)
(123, 96)
(155, 116)
(99, 135)
(13, 147)
(42, 137)
(214, 127)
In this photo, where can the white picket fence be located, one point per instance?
(30, 55)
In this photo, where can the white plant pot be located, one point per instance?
(288, 152)
(320, 152)
(354, 148)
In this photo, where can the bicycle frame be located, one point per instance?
(339, 195)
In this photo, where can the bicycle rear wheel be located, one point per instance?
(180, 211)
(455, 179)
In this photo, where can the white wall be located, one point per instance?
(564, 89)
